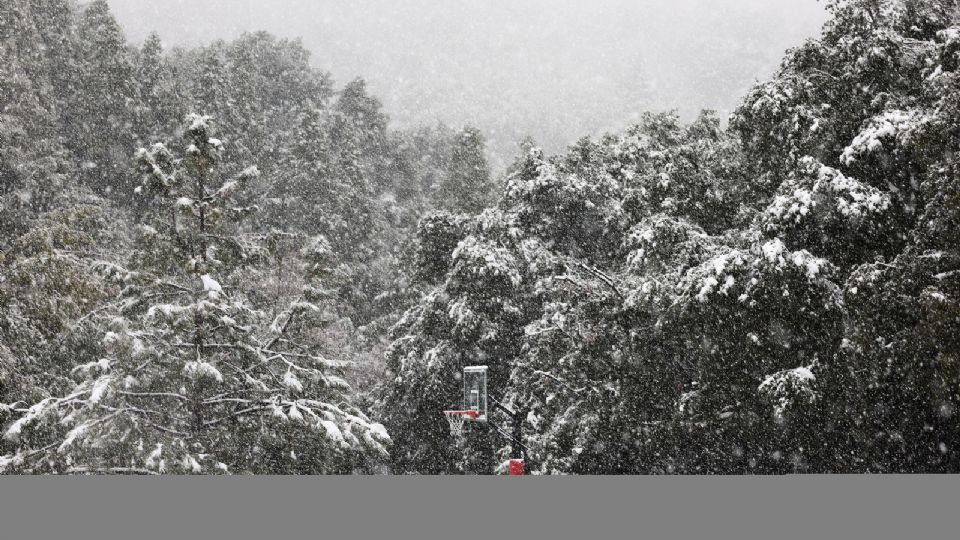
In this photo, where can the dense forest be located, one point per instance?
(218, 260)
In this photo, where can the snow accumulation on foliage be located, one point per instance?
(287, 284)
(823, 188)
(894, 127)
(670, 280)
(786, 388)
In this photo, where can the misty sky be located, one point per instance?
(551, 69)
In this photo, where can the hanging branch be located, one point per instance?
(603, 277)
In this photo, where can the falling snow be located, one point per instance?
(222, 256)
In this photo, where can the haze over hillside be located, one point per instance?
(551, 69)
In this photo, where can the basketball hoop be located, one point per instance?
(474, 409)
(457, 419)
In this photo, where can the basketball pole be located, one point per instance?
(515, 439)
(475, 405)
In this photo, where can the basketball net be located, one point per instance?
(457, 419)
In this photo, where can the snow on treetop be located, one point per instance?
(773, 251)
(333, 431)
(227, 188)
(777, 253)
(250, 172)
(210, 285)
(950, 35)
(789, 387)
(103, 365)
(99, 388)
(483, 260)
(35, 411)
(745, 269)
(191, 464)
(380, 431)
(896, 125)
(154, 460)
(166, 310)
(820, 184)
(74, 433)
(198, 122)
(202, 370)
(292, 382)
(294, 412)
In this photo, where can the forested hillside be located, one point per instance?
(219, 260)
(777, 296)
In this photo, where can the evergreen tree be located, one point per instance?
(467, 187)
(98, 109)
(156, 111)
(194, 379)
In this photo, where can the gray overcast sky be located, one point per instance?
(551, 69)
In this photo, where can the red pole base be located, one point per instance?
(516, 467)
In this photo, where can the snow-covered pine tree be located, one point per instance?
(157, 110)
(195, 379)
(467, 187)
(97, 112)
(361, 114)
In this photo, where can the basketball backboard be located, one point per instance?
(475, 391)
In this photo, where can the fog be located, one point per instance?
(551, 69)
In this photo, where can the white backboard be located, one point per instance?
(475, 390)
